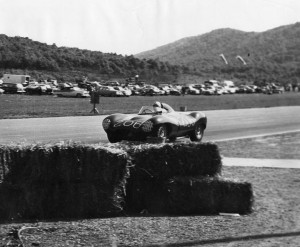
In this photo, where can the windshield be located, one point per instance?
(147, 110)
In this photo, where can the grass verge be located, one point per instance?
(284, 146)
(25, 106)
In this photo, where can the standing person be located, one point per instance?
(183, 91)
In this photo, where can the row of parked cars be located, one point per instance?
(267, 89)
(35, 88)
(114, 89)
(231, 89)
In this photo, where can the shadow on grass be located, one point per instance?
(227, 240)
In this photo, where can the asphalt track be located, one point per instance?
(222, 125)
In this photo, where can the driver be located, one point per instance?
(162, 107)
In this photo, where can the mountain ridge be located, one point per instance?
(272, 55)
(275, 51)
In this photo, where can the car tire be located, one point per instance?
(78, 95)
(114, 137)
(161, 131)
(197, 134)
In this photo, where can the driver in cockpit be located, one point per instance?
(162, 107)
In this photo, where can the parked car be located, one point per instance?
(208, 90)
(126, 92)
(231, 89)
(174, 91)
(254, 88)
(165, 90)
(65, 85)
(250, 89)
(72, 92)
(49, 89)
(241, 89)
(277, 89)
(135, 90)
(199, 87)
(178, 87)
(219, 90)
(35, 89)
(39, 89)
(191, 90)
(150, 90)
(109, 91)
(13, 88)
(111, 83)
(266, 90)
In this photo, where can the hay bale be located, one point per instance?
(153, 165)
(176, 159)
(72, 180)
(206, 195)
(150, 196)
(4, 160)
(192, 196)
(50, 181)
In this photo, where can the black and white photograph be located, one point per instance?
(155, 123)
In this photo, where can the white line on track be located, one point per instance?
(258, 135)
(271, 163)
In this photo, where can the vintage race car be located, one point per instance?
(151, 123)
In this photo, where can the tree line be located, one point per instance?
(25, 54)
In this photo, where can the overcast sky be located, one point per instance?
(132, 26)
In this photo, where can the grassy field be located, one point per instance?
(24, 106)
(285, 146)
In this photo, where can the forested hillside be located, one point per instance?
(269, 55)
(22, 55)
(273, 55)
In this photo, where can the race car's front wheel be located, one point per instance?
(197, 134)
(161, 131)
(114, 137)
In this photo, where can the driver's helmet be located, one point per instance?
(157, 106)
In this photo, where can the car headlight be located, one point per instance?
(147, 126)
(106, 122)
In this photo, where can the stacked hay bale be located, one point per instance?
(50, 181)
(183, 179)
(73, 180)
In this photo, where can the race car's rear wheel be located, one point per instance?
(114, 137)
(197, 134)
(161, 131)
